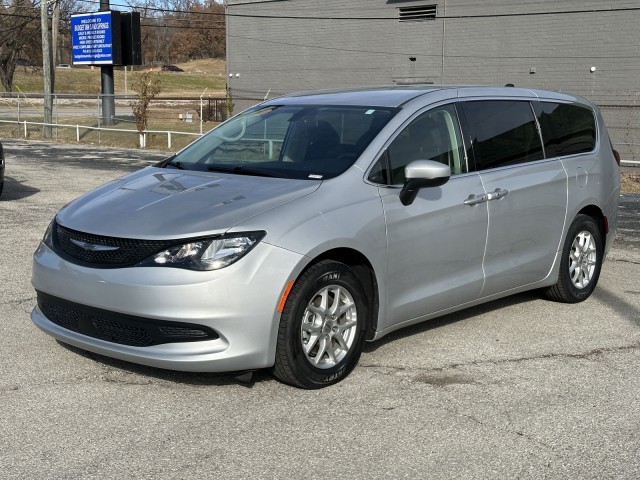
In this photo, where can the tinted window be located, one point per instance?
(503, 132)
(566, 129)
(434, 135)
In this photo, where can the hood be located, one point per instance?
(159, 203)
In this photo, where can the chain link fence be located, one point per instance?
(623, 123)
(172, 122)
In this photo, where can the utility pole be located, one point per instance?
(47, 69)
(106, 76)
(55, 32)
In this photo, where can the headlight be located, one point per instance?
(47, 239)
(208, 253)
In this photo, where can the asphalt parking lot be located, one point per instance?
(517, 388)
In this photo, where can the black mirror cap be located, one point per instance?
(413, 186)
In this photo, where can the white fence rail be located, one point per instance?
(168, 117)
(142, 136)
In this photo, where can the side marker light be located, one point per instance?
(285, 295)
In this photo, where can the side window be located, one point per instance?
(566, 129)
(380, 171)
(503, 132)
(434, 135)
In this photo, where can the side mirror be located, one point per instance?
(423, 174)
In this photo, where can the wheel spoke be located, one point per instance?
(582, 259)
(335, 304)
(322, 348)
(331, 352)
(316, 310)
(328, 328)
(341, 341)
(311, 343)
(347, 325)
(344, 309)
(324, 300)
(311, 328)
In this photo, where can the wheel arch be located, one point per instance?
(578, 273)
(596, 213)
(365, 272)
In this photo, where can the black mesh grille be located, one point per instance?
(104, 251)
(117, 327)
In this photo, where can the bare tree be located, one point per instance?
(147, 87)
(180, 30)
(18, 28)
(20, 32)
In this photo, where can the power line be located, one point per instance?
(435, 55)
(19, 15)
(325, 18)
(346, 18)
(181, 27)
(444, 17)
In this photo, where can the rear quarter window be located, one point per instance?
(567, 129)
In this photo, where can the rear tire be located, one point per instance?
(322, 327)
(580, 263)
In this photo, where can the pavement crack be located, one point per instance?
(624, 260)
(110, 377)
(587, 355)
(548, 356)
(18, 302)
(518, 433)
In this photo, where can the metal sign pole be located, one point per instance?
(106, 77)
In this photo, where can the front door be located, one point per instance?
(435, 245)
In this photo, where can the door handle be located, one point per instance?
(476, 199)
(497, 194)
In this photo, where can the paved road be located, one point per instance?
(518, 388)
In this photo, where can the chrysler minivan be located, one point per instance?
(306, 225)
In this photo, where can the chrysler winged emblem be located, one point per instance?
(92, 247)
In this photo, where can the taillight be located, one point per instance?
(616, 154)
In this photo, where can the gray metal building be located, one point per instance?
(588, 47)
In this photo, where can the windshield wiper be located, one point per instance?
(169, 162)
(239, 170)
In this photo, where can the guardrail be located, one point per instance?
(142, 136)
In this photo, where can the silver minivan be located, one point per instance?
(299, 229)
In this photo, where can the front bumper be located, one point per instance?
(239, 303)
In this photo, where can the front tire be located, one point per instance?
(581, 262)
(322, 327)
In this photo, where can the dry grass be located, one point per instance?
(110, 138)
(207, 66)
(197, 75)
(630, 182)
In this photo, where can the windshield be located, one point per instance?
(303, 142)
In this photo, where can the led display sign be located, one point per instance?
(96, 39)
